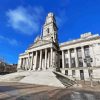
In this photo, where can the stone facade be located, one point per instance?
(69, 57)
(74, 52)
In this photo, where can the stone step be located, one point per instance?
(43, 78)
(47, 77)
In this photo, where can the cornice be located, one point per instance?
(78, 41)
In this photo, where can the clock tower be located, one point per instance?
(50, 28)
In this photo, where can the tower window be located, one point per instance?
(48, 30)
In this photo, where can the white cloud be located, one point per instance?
(12, 42)
(61, 18)
(25, 20)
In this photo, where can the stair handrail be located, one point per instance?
(68, 78)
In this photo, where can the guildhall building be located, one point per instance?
(76, 58)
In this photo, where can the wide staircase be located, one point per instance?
(65, 80)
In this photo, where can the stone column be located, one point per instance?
(69, 56)
(25, 64)
(40, 63)
(32, 60)
(35, 66)
(63, 59)
(51, 62)
(48, 65)
(29, 61)
(91, 50)
(22, 63)
(77, 74)
(19, 63)
(56, 59)
(76, 57)
(45, 58)
(86, 74)
(83, 56)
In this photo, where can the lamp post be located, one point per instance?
(88, 61)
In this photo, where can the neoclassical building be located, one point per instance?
(73, 58)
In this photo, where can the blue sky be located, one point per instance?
(21, 21)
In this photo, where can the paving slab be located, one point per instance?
(21, 91)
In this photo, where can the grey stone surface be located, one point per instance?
(19, 91)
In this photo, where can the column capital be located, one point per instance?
(91, 45)
(68, 50)
(75, 48)
(63, 50)
(82, 47)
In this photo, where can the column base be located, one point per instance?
(63, 71)
(39, 69)
(51, 69)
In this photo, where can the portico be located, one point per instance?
(39, 60)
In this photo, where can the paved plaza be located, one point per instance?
(20, 91)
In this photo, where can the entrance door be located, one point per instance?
(60, 63)
(81, 74)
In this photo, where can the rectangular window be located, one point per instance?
(79, 52)
(66, 72)
(66, 63)
(80, 62)
(73, 63)
(73, 72)
(86, 51)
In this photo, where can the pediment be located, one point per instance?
(39, 43)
